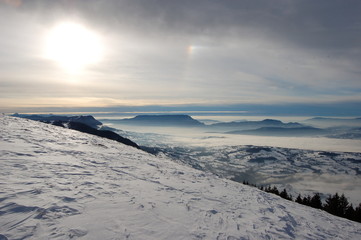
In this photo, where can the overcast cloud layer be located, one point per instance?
(164, 52)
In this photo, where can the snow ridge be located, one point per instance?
(58, 183)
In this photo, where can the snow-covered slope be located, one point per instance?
(300, 171)
(57, 183)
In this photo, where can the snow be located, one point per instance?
(300, 171)
(57, 183)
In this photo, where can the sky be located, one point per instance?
(290, 57)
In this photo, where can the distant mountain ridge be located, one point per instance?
(334, 122)
(281, 131)
(186, 120)
(334, 119)
(319, 126)
(245, 125)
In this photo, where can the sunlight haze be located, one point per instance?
(177, 53)
(73, 46)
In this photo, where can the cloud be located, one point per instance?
(320, 19)
(331, 26)
(246, 51)
(329, 29)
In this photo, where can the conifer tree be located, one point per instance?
(333, 205)
(315, 201)
(343, 205)
(350, 213)
(306, 200)
(357, 216)
(267, 189)
(275, 190)
(299, 199)
(285, 195)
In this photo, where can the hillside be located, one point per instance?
(59, 183)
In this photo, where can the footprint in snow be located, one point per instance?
(67, 199)
(77, 233)
(2, 237)
(212, 211)
(55, 212)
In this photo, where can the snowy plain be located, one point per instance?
(57, 183)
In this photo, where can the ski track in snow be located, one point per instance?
(57, 183)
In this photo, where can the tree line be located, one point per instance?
(334, 204)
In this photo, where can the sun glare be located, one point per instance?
(73, 46)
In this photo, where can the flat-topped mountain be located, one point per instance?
(163, 120)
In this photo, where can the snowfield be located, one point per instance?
(57, 183)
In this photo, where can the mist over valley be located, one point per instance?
(298, 156)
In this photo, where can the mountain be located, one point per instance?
(282, 131)
(246, 125)
(352, 133)
(334, 122)
(88, 120)
(163, 120)
(62, 184)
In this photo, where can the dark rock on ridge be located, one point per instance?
(85, 124)
(81, 127)
(88, 120)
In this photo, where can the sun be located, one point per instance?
(73, 46)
